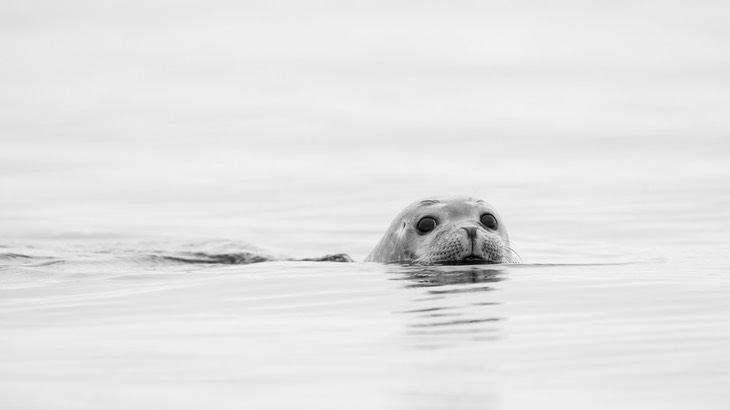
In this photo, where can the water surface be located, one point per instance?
(135, 137)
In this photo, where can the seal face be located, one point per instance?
(445, 231)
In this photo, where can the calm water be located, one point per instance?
(132, 134)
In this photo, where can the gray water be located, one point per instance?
(136, 136)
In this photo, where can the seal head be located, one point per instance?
(445, 231)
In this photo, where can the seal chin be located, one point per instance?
(473, 260)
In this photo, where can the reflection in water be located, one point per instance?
(456, 322)
(449, 275)
(456, 309)
(454, 317)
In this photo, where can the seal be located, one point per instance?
(448, 230)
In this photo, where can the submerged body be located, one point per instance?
(445, 230)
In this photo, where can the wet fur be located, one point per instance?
(449, 243)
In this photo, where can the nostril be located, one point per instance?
(471, 231)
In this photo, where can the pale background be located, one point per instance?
(599, 130)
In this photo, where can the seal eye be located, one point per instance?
(489, 221)
(426, 225)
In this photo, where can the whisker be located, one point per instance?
(512, 252)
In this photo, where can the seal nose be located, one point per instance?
(471, 232)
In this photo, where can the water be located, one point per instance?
(135, 134)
